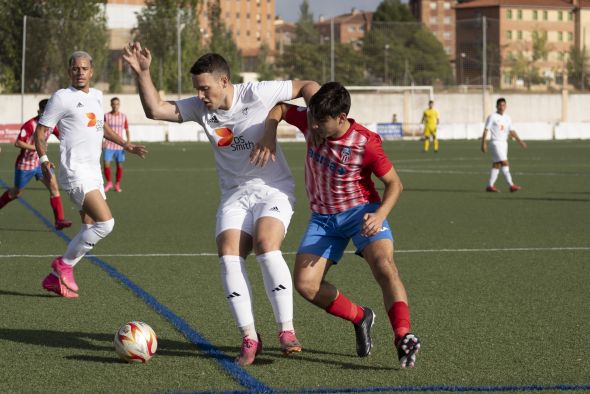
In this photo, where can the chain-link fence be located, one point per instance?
(472, 54)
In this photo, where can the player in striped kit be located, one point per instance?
(27, 166)
(341, 156)
(118, 122)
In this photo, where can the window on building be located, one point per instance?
(519, 35)
(447, 6)
(509, 34)
(560, 56)
(433, 5)
(433, 20)
(447, 35)
(559, 36)
(535, 15)
(509, 14)
(519, 14)
(507, 79)
(570, 16)
(545, 15)
(448, 50)
(447, 20)
(559, 15)
(237, 15)
(570, 36)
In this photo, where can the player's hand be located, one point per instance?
(523, 144)
(138, 58)
(372, 224)
(47, 169)
(264, 150)
(138, 150)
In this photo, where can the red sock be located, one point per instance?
(5, 199)
(345, 309)
(107, 174)
(119, 173)
(58, 210)
(399, 317)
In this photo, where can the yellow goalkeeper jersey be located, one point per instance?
(430, 117)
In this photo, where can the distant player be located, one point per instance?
(430, 121)
(118, 122)
(256, 204)
(78, 112)
(499, 125)
(341, 157)
(27, 166)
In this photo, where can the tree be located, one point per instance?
(577, 66)
(265, 69)
(157, 29)
(54, 30)
(222, 42)
(524, 66)
(402, 51)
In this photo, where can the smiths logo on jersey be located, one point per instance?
(345, 154)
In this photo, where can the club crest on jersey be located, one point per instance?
(345, 154)
(245, 111)
(223, 136)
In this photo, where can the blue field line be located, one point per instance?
(227, 363)
(241, 375)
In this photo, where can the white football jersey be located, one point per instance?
(80, 118)
(499, 126)
(234, 132)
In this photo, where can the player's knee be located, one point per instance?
(306, 288)
(265, 245)
(102, 229)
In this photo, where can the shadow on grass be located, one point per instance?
(26, 230)
(433, 190)
(19, 294)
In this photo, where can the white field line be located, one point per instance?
(207, 254)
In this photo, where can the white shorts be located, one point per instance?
(242, 208)
(499, 150)
(78, 191)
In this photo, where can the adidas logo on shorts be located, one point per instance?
(274, 209)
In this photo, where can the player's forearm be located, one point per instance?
(39, 138)
(274, 117)
(150, 98)
(110, 135)
(23, 145)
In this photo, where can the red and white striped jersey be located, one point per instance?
(118, 123)
(28, 159)
(338, 173)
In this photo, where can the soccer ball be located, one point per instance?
(135, 342)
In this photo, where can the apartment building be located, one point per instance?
(512, 28)
(348, 28)
(251, 22)
(439, 17)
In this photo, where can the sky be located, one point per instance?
(289, 9)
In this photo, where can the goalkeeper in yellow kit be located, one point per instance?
(430, 121)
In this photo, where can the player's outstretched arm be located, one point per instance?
(305, 89)
(265, 149)
(139, 59)
(373, 222)
(110, 135)
(515, 136)
(41, 147)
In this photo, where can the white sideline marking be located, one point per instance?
(206, 254)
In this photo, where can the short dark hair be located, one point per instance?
(115, 98)
(330, 101)
(431, 102)
(211, 63)
(43, 104)
(500, 100)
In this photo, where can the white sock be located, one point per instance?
(238, 293)
(507, 176)
(279, 287)
(493, 176)
(85, 240)
(249, 331)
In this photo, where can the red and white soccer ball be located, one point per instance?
(135, 342)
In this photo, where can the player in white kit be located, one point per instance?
(256, 203)
(78, 112)
(499, 125)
